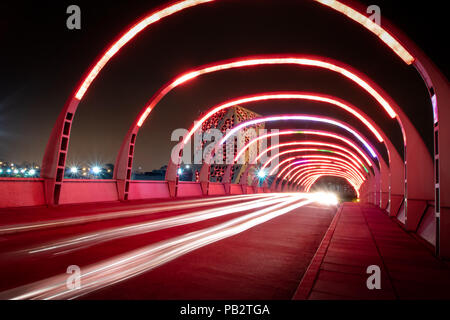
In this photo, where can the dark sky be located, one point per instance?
(41, 61)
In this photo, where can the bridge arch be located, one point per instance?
(290, 174)
(125, 158)
(204, 174)
(308, 175)
(55, 155)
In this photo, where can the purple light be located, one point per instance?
(296, 117)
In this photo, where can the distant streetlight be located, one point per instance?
(261, 174)
(96, 170)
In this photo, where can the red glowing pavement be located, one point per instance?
(262, 246)
(272, 228)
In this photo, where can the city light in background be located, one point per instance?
(73, 171)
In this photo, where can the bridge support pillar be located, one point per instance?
(226, 179)
(204, 178)
(243, 179)
(419, 171)
(384, 184)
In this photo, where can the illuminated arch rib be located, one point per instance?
(376, 29)
(311, 173)
(311, 143)
(298, 150)
(314, 177)
(324, 63)
(126, 153)
(355, 160)
(306, 132)
(296, 171)
(301, 172)
(312, 160)
(300, 117)
(286, 96)
(317, 162)
(129, 35)
(319, 175)
(313, 157)
(305, 180)
(292, 173)
(171, 9)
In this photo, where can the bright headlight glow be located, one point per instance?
(261, 173)
(73, 170)
(96, 170)
(326, 198)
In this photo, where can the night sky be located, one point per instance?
(42, 61)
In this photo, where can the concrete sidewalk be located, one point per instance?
(360, 236)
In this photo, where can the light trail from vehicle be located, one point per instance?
(161, 207)
(136, 262)
(93, 238)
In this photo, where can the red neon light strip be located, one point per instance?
(384, 36)
(310, 143)
(281, 96)
(330, 172)
(249, 62)
(319, 164)
(130, 34)
(331, 158)
(307, 189)
(307, 179)
(308, 170)
(316, 163)
(311, 132)
(306, 150)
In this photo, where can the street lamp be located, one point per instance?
(261, 174)
(96, 170)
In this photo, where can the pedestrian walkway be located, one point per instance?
(363, 235)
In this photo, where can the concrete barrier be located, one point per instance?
(235, 189)
(148, 190)
(189, 189)
(85, 191)
(427, 226)
(21, 192)
(216, 188)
